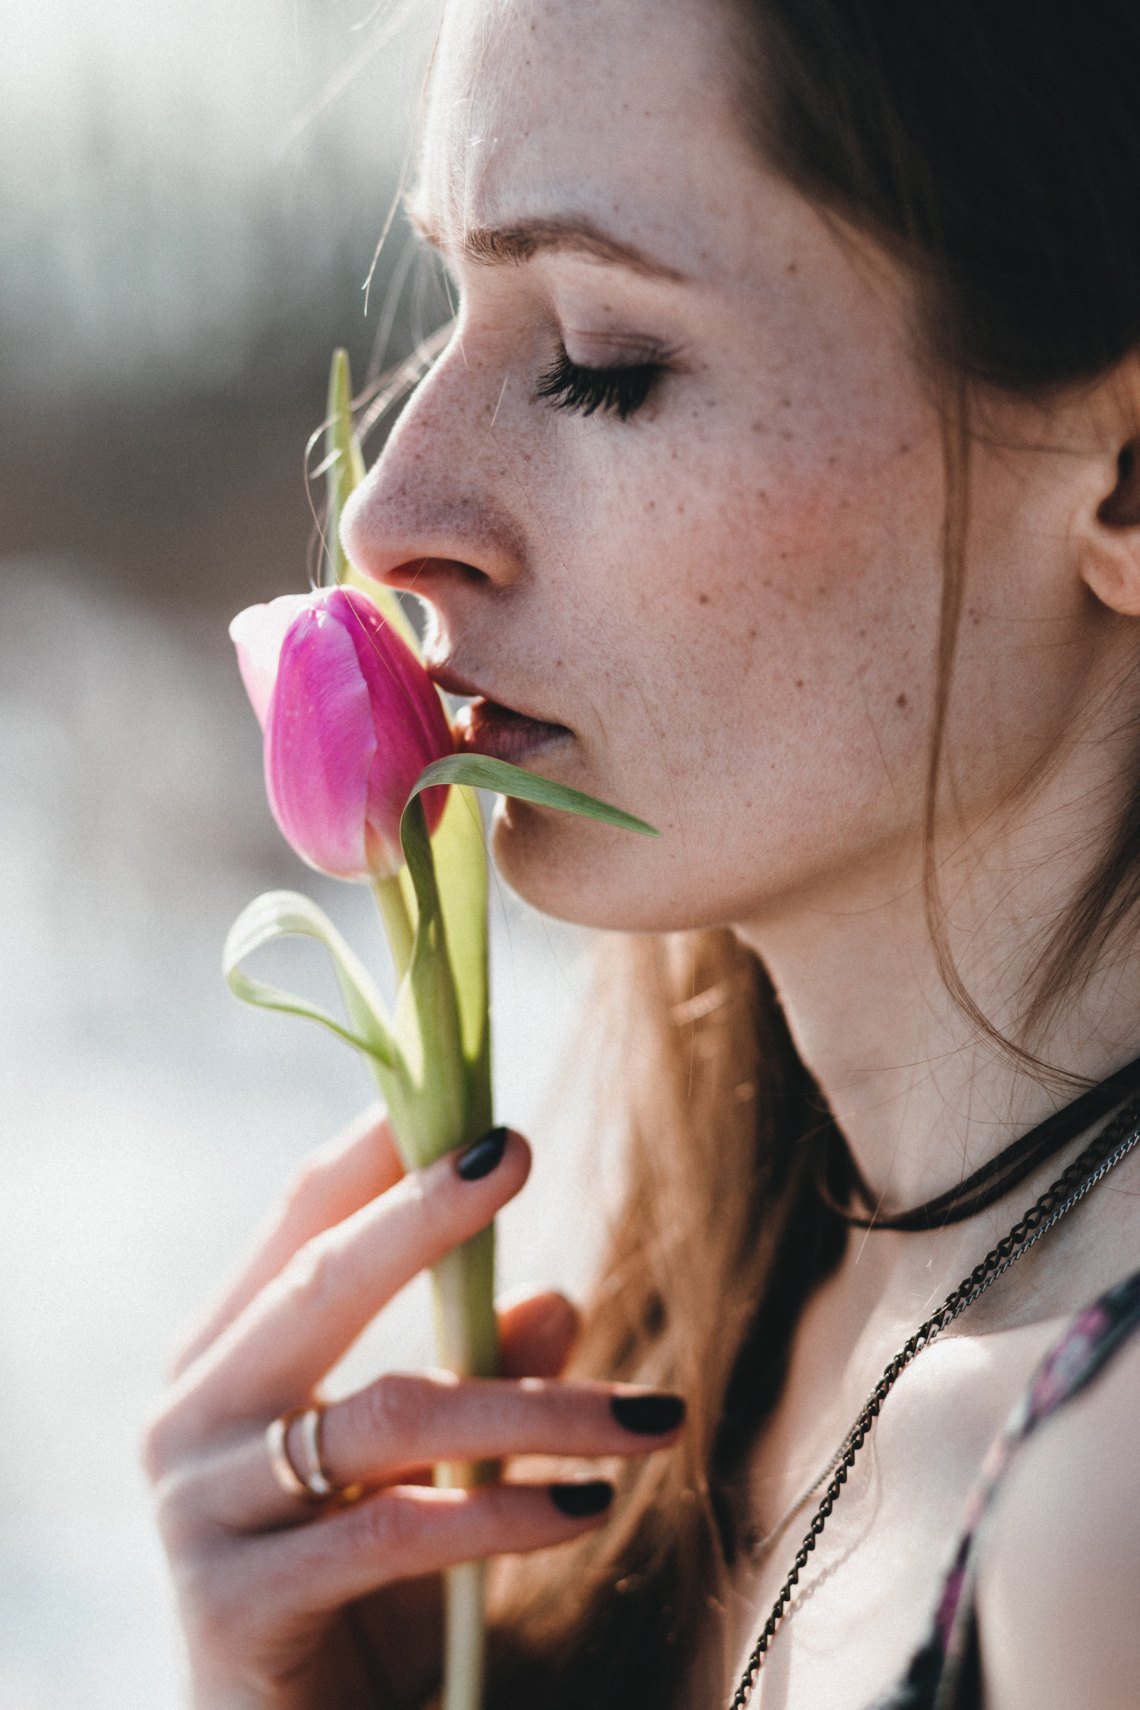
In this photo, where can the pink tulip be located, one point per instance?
(351, 718)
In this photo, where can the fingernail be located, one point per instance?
(578, 1500)
(480, 1158)
(649, 1414)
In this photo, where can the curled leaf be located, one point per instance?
(285, 914)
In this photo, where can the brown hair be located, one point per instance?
(994, 148)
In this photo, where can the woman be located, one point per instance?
(779, 482)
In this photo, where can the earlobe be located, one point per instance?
(1110, 549)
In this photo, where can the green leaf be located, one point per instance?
(344, 464)
(455, 890)
(482, 773)
(344, 471)
(459, 849)
(283, 914)
(427, 1023)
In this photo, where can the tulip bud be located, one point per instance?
(351, 718)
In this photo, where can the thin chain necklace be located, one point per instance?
(757, 1543)
(1105, 1152)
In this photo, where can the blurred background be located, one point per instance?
(190, 199)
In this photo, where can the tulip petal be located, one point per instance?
(411, 724)
(258, 634)
(319, 746)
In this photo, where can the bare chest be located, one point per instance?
(865, 1599)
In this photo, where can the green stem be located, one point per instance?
(397, 922)
(466, 1329)
(463, 1291)
(438, 1100)
(465, 1636)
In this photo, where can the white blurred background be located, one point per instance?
(190, 197)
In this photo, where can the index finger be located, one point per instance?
(296, 1329)
(333, 1182)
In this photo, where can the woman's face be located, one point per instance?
(724, 582)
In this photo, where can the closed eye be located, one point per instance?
(620, 391)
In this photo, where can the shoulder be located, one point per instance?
(1058, 1591)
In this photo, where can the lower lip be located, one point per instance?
(487, 728)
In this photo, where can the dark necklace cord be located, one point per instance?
(1113, 1143)
(997, 1177)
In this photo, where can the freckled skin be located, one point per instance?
(742, 586)
(770, 518)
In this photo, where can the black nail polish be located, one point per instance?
(648, 1414)
(480, 1158)
(579, 1500)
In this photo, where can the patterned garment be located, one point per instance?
(945, 1672)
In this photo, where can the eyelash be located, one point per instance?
(620, 391)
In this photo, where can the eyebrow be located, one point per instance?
(520, 240)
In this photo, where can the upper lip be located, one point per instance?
(454, 684)
(444, 678)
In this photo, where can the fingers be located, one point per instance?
(403, 1421)
(231, 1486)
(334, 1182)
(400, 1534)
(277, 1350)
(536, 1334)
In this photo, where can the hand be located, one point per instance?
(291, 1606)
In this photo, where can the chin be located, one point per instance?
(593, 875)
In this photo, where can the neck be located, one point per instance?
(921, 1096)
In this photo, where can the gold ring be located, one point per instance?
(314, 1484)
(286, 1474)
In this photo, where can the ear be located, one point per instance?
(1109, 542)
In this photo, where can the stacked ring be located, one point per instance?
(313, 1484)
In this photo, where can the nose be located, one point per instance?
(431, 509)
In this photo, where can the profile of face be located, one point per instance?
(720, 568)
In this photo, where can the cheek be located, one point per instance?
(789, 573)
(823, 497)
(770, 590)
